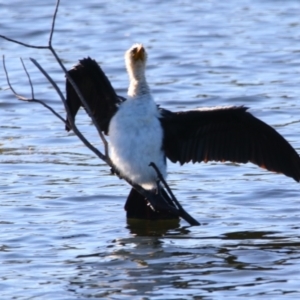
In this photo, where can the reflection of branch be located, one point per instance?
(155, 200)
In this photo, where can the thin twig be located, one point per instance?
(161, 178)
(29, 79)
(23, 44)
(53, 23)
(182, 212)
(22, 98)
(7, 77)
(48, 78)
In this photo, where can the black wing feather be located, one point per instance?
(96, 90)
(227, 134)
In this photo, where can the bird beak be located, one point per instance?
(139, 54)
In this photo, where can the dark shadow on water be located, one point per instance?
(249, 235)
(151, 228)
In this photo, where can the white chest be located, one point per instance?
(136, 140)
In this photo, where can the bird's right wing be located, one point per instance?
(227, 134)
(96, 90)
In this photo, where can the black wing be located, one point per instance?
(227, 134)
(96, 90)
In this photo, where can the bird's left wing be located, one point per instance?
(96, 90)
(227, 134)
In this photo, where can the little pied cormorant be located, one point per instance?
(141, 132)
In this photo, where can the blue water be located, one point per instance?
(63, 231)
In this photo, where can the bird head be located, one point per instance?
(135, 60)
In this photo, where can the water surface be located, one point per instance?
(63, 229)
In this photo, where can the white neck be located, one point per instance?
(138, 85)
(138, 88)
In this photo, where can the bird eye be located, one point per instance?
(134, 50)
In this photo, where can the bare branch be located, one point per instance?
(76, 131)
(29, 79)
(49, 47)
(49, 79)
(182, 212)
(23, 44)
(22, 98)
(48, 107)
(7, 77)
(84, 103)
(53, 23)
